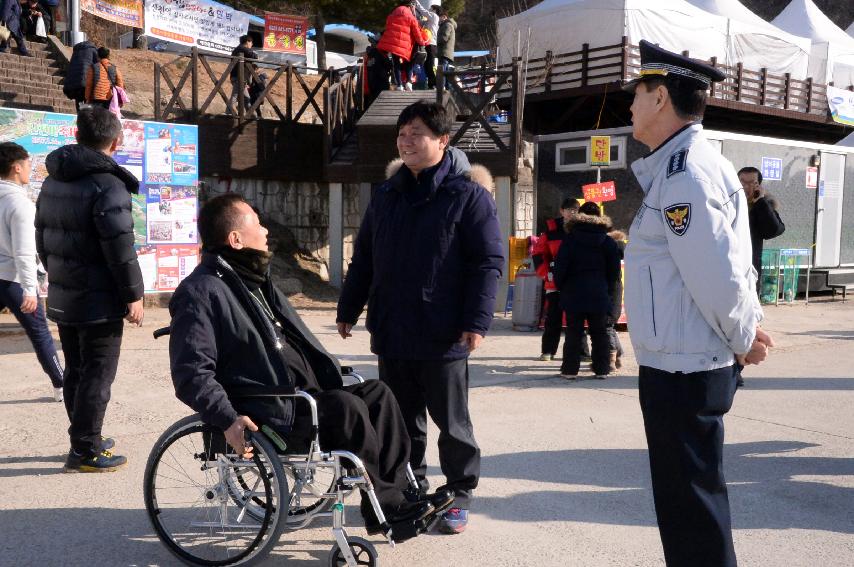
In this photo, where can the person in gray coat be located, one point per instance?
(18, 263)
(446, 39)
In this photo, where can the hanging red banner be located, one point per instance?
(284, 33)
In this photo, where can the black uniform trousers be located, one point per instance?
(365, 420)
(439, 387)
(553, 324)
(91, 360)
(600, 349)
(683, 418)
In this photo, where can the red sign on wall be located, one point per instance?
(284, 33)
(600, 192)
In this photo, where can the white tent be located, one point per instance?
(847, 141)
(850, 29)
(756, 43)
(563, 26)
(832, 53)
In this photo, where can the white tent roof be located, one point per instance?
(850, 30)
(758, 44)
(563, 26)
(847, 141)
(832, 54)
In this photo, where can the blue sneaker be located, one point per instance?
(454, 521)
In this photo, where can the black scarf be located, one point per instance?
(250, 264)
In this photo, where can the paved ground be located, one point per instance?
(565, 476)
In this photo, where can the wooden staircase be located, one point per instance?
(33, 83)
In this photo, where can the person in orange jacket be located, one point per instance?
(100, 80)
(544, 254)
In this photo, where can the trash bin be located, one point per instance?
(527, 300)
(769, 278)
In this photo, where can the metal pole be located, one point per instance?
(76, 36)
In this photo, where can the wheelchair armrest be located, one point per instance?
(281, 392)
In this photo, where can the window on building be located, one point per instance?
(575, 155)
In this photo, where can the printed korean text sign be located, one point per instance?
(124, 12)
(284, 33)
(200, 23)
(772, 169)
(600, 150)
(600, 192)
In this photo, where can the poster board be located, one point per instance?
(164, 157)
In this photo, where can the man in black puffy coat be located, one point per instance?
(587, 271)
(84, 237)
(84, 56)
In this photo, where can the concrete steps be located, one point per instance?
(33, 83)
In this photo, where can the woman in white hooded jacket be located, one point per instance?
(18, 260)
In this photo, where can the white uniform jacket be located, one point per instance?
(690, 288)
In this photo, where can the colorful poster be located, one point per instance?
(174, 263)
(124, 12)
(197, 23)
(165, 211)
(171, 214)
(171, 154)
(285, 33)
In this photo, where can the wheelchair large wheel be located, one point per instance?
(309, 489)
(191, 508)
(363, 552)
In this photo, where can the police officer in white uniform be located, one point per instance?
(691, 303)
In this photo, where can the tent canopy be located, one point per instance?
(832, 53)
(758, 44)
(563, 26)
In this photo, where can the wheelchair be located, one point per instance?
(212, 507)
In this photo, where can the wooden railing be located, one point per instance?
(470, 92)
(186, 88)
(342, 107)
(621, 62)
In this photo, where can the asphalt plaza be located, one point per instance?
(565, 477)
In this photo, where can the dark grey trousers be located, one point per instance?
(440, 388)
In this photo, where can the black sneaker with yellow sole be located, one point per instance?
(101, 462)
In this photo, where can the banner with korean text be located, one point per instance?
(196, 23)
(285, 33)
(123, 12)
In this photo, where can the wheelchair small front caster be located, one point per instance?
(363, 552)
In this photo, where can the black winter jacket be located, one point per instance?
(428, 270)
(587, 269)
(222, 344)
(765, 223)
(84, 237)
(85, 55)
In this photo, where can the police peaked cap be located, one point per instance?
(657, 62)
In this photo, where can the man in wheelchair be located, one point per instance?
(232, 330)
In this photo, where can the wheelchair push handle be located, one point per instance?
(161, 332)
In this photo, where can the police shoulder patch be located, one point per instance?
(678, 217)
(677, 162)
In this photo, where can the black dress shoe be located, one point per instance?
(441, 500)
